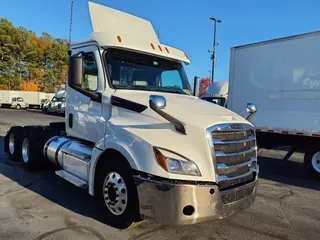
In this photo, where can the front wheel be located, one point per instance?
(117, 194)
(18, 107)
(312, 160)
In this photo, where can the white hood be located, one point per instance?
(188, 109)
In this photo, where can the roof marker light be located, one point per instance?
(160, 48)
(119, 39)
(152, 46)
(186, 55)
(167, 50)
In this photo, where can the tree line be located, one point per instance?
(29, 62)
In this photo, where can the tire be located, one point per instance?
(312, 161)
(13, 143)
(18, 107)
(32, 144)
(120, 194)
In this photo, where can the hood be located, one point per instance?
(188, 109)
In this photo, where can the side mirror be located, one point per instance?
(251, 109)
(158, 102)
(196, 86)
(75, 72)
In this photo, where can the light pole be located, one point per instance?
(213, 56)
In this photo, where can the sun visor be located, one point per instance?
(114, 22)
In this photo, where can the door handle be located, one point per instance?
(70, 118)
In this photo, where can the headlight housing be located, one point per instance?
(178, 166)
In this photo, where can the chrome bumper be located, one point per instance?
(166, 202)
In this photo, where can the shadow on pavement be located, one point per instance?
(52, 187)
(287, 172)
(57, 190)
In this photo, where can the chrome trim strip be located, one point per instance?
(223, 166)
(218, 141)
(225, 178)
(230, 127)
(222, 154)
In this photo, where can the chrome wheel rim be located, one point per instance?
(115, 193)
(25, 150)
(11, 144)
(18, 106)
(316, 161)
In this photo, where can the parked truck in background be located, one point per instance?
(12, 99)
(135, 137)
(217, 93)
(23, 99)
(35, 99)
(282, 77)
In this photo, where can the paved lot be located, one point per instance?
(42, 206)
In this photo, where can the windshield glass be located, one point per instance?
(20, 99)
(129, 70)
(219, 101)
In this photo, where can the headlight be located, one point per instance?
(175, 165)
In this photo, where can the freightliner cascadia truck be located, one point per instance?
(135, 136)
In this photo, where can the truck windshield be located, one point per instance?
(219, 101)
(136, 71)
(20, 99)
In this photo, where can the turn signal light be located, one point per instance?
(160, 159)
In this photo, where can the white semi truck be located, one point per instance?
(135, 137)
(282, 77)
(217, 93)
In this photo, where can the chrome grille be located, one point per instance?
(237, 195)
(234, 154)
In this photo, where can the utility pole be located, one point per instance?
(70, 29)
(213, 56)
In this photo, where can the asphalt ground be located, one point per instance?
(41, 205)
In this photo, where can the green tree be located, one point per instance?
(25, 58)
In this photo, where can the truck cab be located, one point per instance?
(18, 103)
(137, 139)
(217, 93)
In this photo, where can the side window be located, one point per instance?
(14, 99)
(171, 79)
(90, 72)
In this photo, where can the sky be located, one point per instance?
(182, 24)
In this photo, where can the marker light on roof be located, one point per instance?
(160, 48)
(167, 50)
(119, 38)
(152, 46)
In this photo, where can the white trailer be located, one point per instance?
(134, 136)
(282, 77)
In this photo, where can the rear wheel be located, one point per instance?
(13, 143)
(117, 194)
(312, 160)
(33, 141)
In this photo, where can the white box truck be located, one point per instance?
(35, 99)
(282, 78)
(135, 137)
(12, 99)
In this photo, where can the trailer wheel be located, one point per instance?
(13, 143)
(312, 160)
(117, 193)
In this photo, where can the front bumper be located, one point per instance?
(165, 202)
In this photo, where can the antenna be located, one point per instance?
(71, 15)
